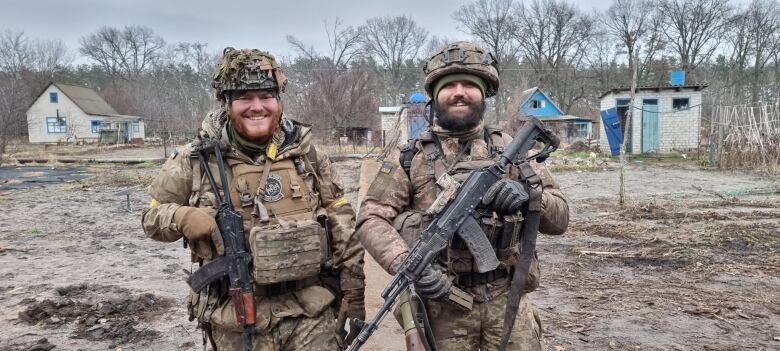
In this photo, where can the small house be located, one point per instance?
(536, 103)
(69, 113)
(666, 118)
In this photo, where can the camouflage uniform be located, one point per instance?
(392, 217)
(296, 314)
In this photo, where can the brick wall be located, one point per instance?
(677, 129)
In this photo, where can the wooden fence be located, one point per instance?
(746, 137)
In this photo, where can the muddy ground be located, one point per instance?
(692, 263)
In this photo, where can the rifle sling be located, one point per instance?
(520, 275)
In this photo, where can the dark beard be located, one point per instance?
(476, 112)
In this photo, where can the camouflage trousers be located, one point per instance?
(292, 333)
(482, 327)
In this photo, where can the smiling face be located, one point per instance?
(459, 105)
(255, 114)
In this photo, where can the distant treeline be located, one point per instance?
(571, 53)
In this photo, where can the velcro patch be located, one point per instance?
(383, 179)
(387, 168)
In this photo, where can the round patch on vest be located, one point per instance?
(273, 188)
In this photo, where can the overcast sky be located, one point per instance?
(243, 24)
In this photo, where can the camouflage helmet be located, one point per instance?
(247, 69)
(462, 57)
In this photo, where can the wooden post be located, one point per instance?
(626, 130)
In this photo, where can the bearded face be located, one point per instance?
(459, 106)
(255, 114)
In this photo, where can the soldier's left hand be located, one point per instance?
(505, 197)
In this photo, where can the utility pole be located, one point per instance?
(626, 131)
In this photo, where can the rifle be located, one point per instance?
(458, 204)
(235, 263)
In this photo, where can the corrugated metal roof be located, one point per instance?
(389, 109)
(566, 118)
(695, 86)
(87, 99)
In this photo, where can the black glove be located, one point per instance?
(433, 284)
(505, 197)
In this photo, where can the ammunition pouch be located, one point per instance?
(203, 303)
(472, 279)
(288, 251)
(282, 288)
(504, 236)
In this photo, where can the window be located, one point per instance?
(581, 129)
(95, 127)
(680, 104)
(53, 97)
(537, 104)
(56, 125)
(136, 127)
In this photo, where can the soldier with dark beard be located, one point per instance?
(458, 79)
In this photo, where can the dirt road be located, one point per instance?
(693, 263)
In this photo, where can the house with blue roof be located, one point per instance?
(536, 103)
(407, 120)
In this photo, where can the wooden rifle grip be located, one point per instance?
(249, 307)
(244, 303)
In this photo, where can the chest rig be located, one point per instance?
(424, 165)
(283, 220)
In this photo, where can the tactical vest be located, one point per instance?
(423, 161)
(283, 220)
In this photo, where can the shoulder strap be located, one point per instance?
(311, 158)
(494, 137)
(407, 154)
(310, 161)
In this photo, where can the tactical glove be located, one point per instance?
(201, 230)
(505, 197)
(433, 284)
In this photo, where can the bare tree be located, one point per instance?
(305, 51)
(553, 37)
(12, 108)
(51, 55)
(343, 44)
(15, 51)
(602, 61)
(337, 99)
(393, 42)
(694, 28)
(630, 21)
(494, 23)
(763, 23)
(123, 53)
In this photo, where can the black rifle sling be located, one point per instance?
(528, 247)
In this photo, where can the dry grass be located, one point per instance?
(331, 149)
(121, 176)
